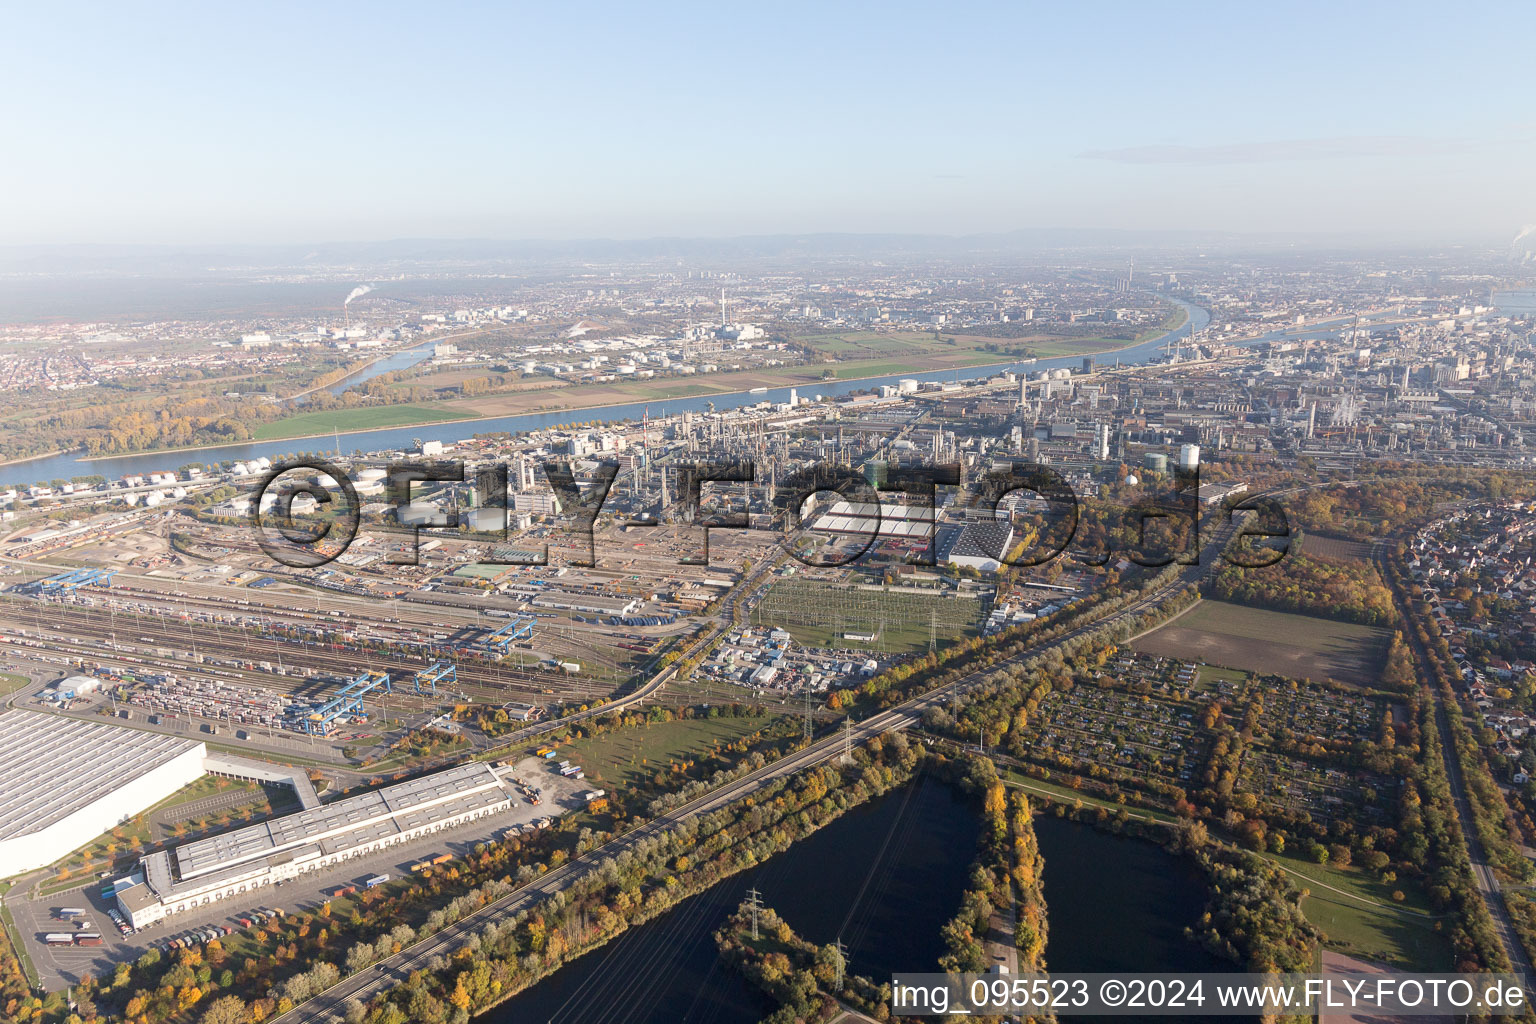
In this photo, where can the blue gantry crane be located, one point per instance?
(347, 701)
(70, 581)
(515, 629)
(444, 672)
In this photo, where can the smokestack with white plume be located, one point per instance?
(355, 293)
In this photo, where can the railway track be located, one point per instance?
(363, 986)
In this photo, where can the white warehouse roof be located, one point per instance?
(64, 781)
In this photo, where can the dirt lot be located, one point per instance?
(1336, 548)
(1297, 646)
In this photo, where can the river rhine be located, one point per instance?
(72, 464)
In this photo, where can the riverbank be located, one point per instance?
(590, 397)
(40, 455)
(624, 407)
(470, 419)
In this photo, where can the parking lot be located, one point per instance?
(66, 965)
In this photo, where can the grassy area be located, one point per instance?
(1211, 674)
(311, 423)
(1039, 790)
(632, 757)
(882, 368)
(876, 344)
(819, 615)
(1401, 934)
(10, 683)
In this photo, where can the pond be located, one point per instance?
(885, 878)
(1117, 904)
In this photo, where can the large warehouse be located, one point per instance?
(63, 782)
(228, 865)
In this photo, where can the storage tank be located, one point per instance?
(1155, 462)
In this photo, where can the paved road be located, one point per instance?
(390, 972)
(1482, 874)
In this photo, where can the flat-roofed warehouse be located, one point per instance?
(907, 522)
(63, 782)
(228, 865)
(569, 600)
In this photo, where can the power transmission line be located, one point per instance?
(755, 901)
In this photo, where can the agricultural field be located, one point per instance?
(1258, 640)
(820, 614)
(1337, 548)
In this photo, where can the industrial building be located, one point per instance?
(599, 604)
(979, 545)
(904, 522)
(229, 865)
(63, 782)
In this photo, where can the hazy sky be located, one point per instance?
(330, 122)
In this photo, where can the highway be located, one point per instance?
(364, 985)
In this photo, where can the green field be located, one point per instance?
(865, 368)
(1259, 640)
(1212, 674)
(631, 757)
(818, 614)
(1368, 923)
(873, 344)
(313, 423)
